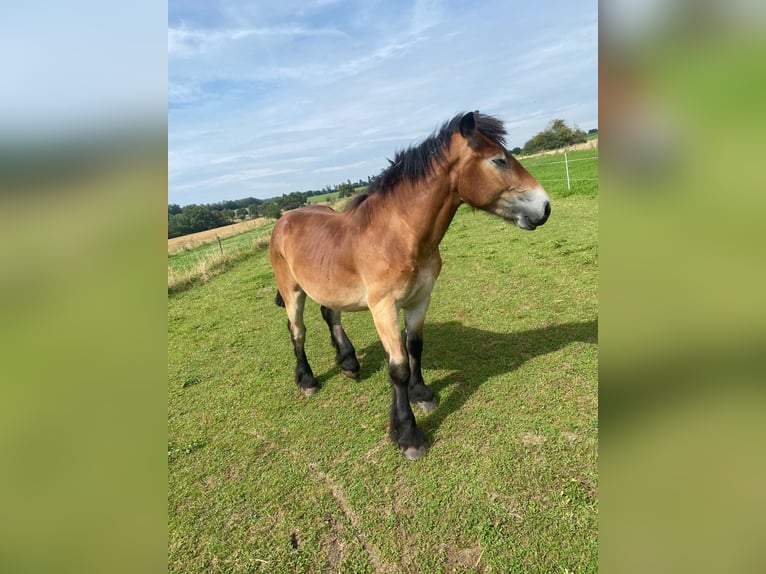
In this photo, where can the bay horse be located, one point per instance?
(382, 252)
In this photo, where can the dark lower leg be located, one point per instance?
(345, 354)
(419, 392)
(402, 427)
(304, 377)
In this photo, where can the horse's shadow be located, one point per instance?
(472, 356)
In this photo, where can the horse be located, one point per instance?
(382, 252)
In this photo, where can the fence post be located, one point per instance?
(219, 244)
(566, 166)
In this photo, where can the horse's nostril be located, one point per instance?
(547, 209)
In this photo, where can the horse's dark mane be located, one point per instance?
(417, 162)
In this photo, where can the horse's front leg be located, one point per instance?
(402, 427)
(420, 394)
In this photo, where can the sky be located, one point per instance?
(267, 98)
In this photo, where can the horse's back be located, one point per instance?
(314, 208)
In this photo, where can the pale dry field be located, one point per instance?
(591, 144)
(186, 242)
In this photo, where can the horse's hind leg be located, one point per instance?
(419, 393)
(345, 354)
(304, 377)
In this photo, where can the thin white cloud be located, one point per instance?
(229, 159)
(344, 167)
(426, 14)
(391, 50)
(184, 42)
(243, 176)
(182, 93)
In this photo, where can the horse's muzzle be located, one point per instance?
(528, 210)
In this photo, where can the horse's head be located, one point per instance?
(491, 179)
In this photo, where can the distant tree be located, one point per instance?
(346, 189)
(291, 200)
(556, 135)
(227, 216)
(247, 202)
(253, 210)
(174, 209)
(271, 210)
(199, 218)
(592, 131)
(242, 213)
(178, 225)
(516, 150)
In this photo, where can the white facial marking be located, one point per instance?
(527, 210)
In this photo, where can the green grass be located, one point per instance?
(262, 479)
(325, 197)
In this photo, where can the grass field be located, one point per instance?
(183, 260)
(194, 266)
(551, 173)
(262, 479)
(194, 240)
(324, 198)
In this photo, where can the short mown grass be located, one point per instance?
(550, 171)
(262, 479)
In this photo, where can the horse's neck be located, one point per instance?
(430, 208)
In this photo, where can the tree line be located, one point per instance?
(556, 135)
(201, 217)
(193, 218)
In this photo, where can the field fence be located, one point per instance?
(566, 161)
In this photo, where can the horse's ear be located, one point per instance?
(468, 125)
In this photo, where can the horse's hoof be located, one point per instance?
(428, 406)
(414, 453)
(351, 374)
(309, 391)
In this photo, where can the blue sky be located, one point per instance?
(266, 98)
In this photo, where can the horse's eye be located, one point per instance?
(500, 162)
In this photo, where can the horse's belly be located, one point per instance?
(338, 297)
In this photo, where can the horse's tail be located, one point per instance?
(278, 300)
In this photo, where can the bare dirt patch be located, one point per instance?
(465, 559)
(530, 439)
(571, 437)
(333, 541)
